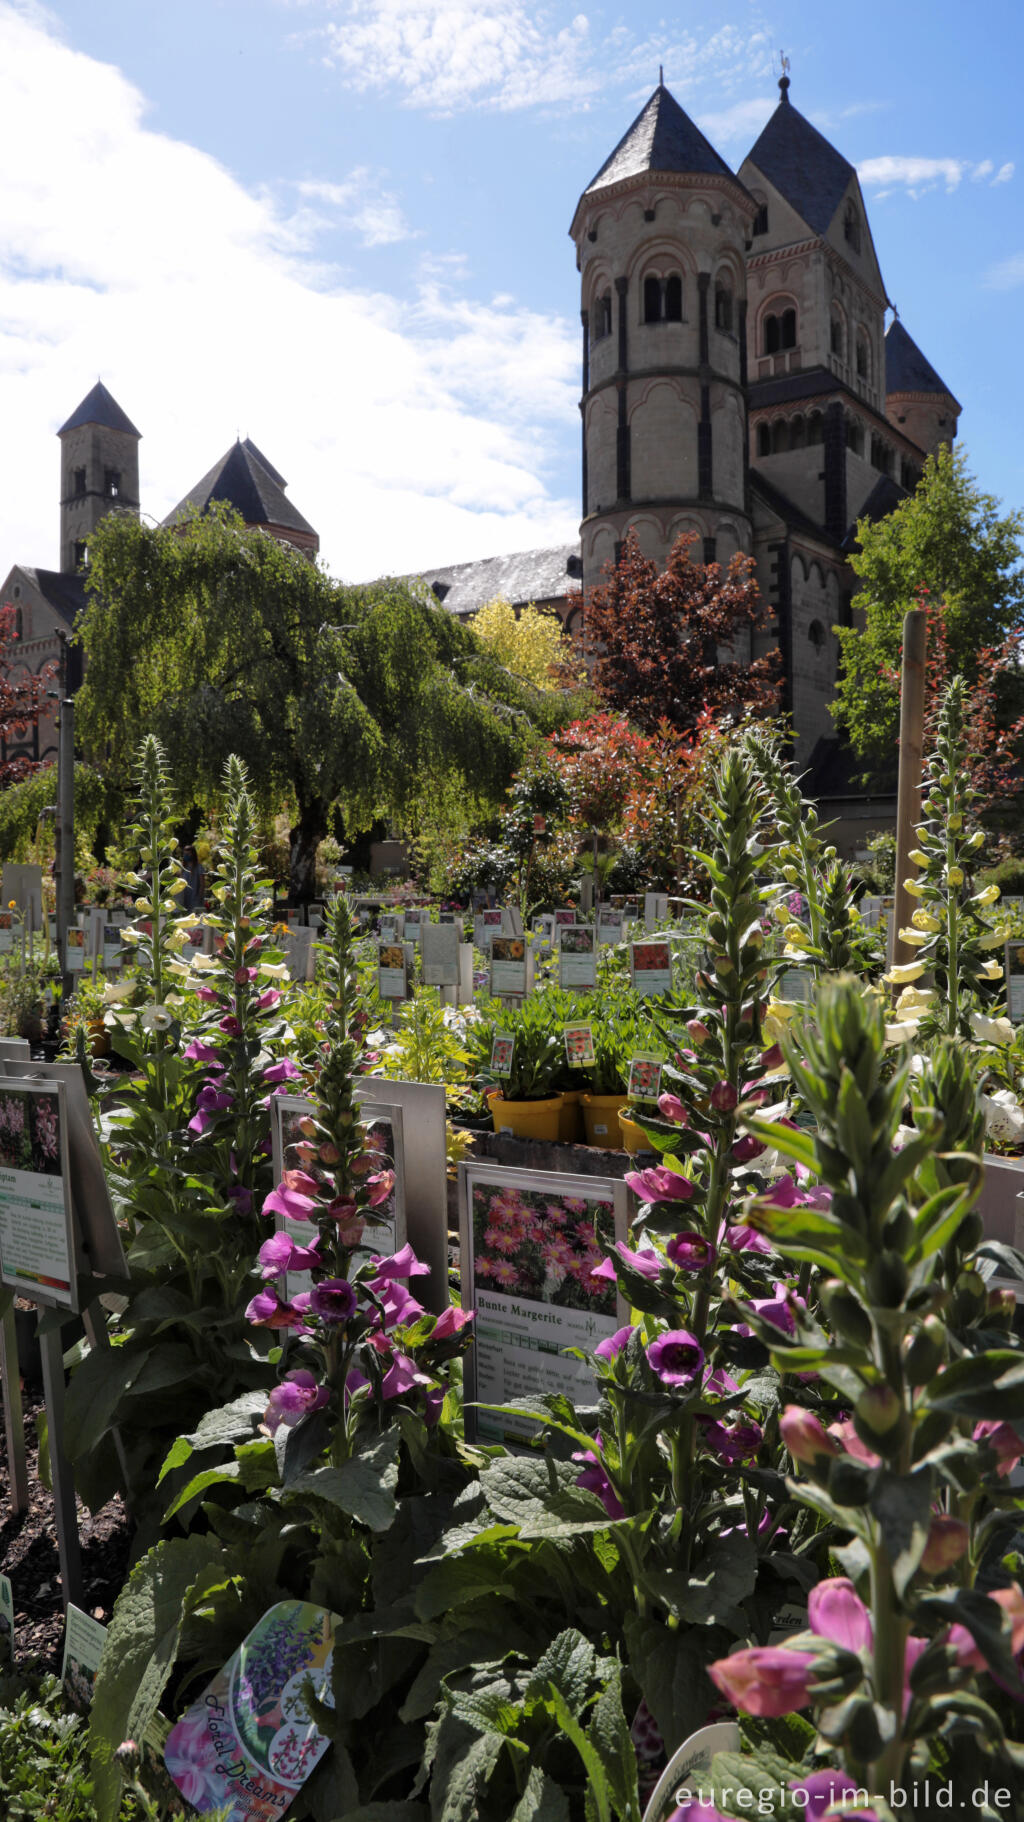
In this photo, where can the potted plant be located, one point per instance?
(521, 1090)
(607, 1078)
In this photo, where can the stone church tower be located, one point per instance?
(660, 239)
(99, 472)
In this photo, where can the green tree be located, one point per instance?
(530, 643)
(221, 640)
(950, 539)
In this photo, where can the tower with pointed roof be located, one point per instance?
(660, 235)
(244, 479)
(99, 471)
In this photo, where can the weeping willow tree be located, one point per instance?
(220, 640)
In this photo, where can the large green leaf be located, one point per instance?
(97, 1388)
(230, 1423)
(542, 1801)
(139, 1653)
(462, 1769)
(671, 1675)
(980, 1386)
(363, 1486)
(542, 1497)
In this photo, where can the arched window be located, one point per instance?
(881, 456)
(779, 331)
(602, 317)
(652, 300)
(851, 226)
(673, 298)
(780, 437)
(764, 440)
(19, 623)
(855, 435)
(760, 220)
(723, 306)
(815, 429)
(797, 433)
(837, 332)
(863, 356)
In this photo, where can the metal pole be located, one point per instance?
(51, 1347)
(14, 1423)
(908, 810)
(66, 833)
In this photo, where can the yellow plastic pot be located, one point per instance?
(634, 1137)
(526, 1119)
(569, 1118)
(601, 1119)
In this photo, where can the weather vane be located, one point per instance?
(784, 63)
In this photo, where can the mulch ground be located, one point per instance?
(28, 1555)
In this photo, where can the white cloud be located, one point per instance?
(360, 203)
(1007, 275)
(919, 175)
(449, 55)
(410, 433)
(739, 124)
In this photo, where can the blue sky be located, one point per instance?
(340, 227)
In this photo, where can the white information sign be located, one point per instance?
(577, 960)
(83, 1647)
(650, 966)
(528, 1247)
(36, 1244)
(511, 967)
(439, 953)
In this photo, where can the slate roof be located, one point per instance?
(883, 499)
(100, 407)
(64, 592)
(801, 164)
(906, 369)
(661, 138)
(814, 382)
(245, 480)
(790, 514)
(523, 576)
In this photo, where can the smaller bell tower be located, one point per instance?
(99, 472)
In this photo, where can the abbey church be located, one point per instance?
(738, 382)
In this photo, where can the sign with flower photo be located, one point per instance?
(249, 1742)
(36, 1246)
(293, 1139)
(579, 1045)
(577, 962)
(511, 969)
(651, 967)
(645, 1078)
(535, 1274)
(1014, 969)
(392, 979)
(74, 951)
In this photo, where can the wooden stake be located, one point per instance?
(51, 1347)
(14, 1426)
(908, 811)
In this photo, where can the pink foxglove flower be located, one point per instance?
(1003, 1438)
(290, 1401)
(659, 1185)
(451, 1322)
(676, 1357)
(805, 1436)
(691, 1252)
(281, 1254)
(290, 1203)
(403, 1264)
(649, 1265)
(333, 1300)
(612, 1345)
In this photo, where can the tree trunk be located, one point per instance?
(304, 839)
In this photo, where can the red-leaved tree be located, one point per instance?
(21, 696)
(660, 639)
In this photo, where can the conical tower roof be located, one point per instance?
(801, 164)
(661, 138)
(906, 369)
(245, 480)
(100, 407)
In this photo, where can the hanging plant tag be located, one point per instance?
(249, 1742)
(579, 1045)
(83, 1647)
(501, 1054)
(644, 1078)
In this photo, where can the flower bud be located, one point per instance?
(805, 1436)
(724, 1097)
(1001, 1307)
(925, 1352)
(954, 876)
(878, 1410)
(947, 1541)
(791, 875)
(698, 1032)
(846, 1313)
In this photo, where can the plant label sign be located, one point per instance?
(579, 1045)
(644, 1077)
(655, 909)
(689, 1766)
(37, 1255)
(796, 986)
(486, 926)
(111, 946)
(392, 979)
(6, 1624)
(249, 1743)
(529, 1245)
(502, 1052)
(84, 1639)
(870, 911)
(577, 961)
(651, 967)
(6, 932)
(439, 955)
(413, 925)
(1014, 972)
(610, 925)
(511, 967)
(74, 951)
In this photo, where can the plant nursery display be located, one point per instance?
(673, 1472)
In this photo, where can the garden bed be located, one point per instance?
(28, 1555)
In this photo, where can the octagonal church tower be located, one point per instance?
(660, 239)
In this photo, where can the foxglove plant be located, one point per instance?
(933, 1383)
(237, 1043)
(953, 940)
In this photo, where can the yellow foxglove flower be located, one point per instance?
(991, 1031)
(914, 887)
(992, 939)
(919, 859)
(914, 938)
(987, 896)
(955, 876)
(904, 972)
(991, 971)
(955, 821)
(923, 920)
